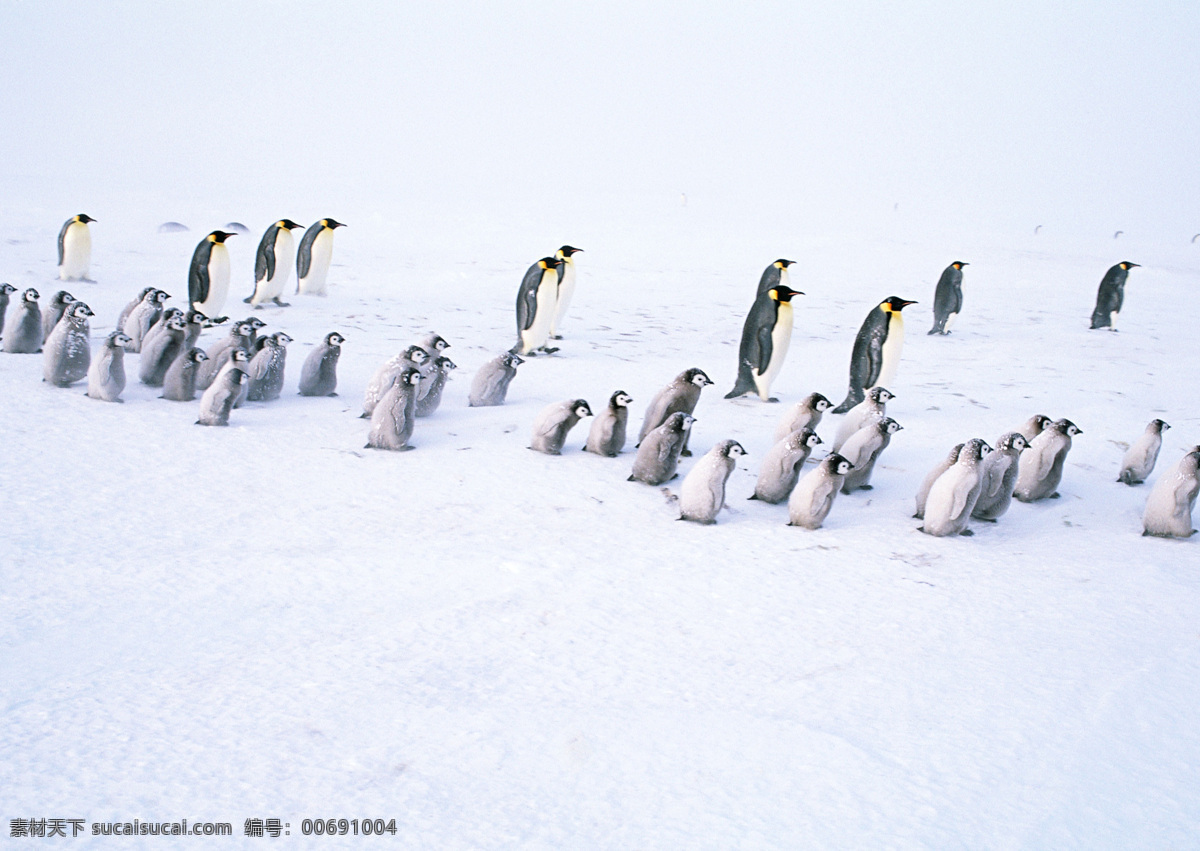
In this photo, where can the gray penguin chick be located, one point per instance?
(318, 376)
(489, 387)
(702, 494)
(54, 311)
(658, 454)
(552, 425)
(429, 396)
(128, 309)
(1173, 498)
(106, 375)
(782, 464)
(953, 496)
(871, 409)
(1034, 426)
(607, 434)
(393, 417)
(68, 350)
(1000, 477)
(943, 465)
(138, 322)
(6, 290)
(806, 413)
(812, 499)
(681, 395)
(1041, 466)
(219, 353)
(161, 325)
(863, 449)
(267, 368)
(383, 379)
(23, 328)
(179, 384)
(160, 351)
(218, 399)
(1139, 461)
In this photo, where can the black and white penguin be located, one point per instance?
(1111, 295)
(947, 298)
(106, 375)
(702, 494)
(161, 352)
(139, 321)
(23, 327)
(318, 376)
(414, 356)
(273, 263)
(1040, 468)
(392, 420)
(179, 384)
(607, 434)
(813, 497)
(68, 350)
(551, 426)
(806, 413)
(429, 395)
(782, 465)
(863, 449)
(876, 353)
(955, 493)
(219, 353)
(75, 249)
(161, 325)
(208, 276)
(314, 255)
(566, 287)
(766, 335)
(267, 369)
(221, 397)
(681, 395)
(489, 387)
(535, 306)
(658, 453)
(132, 306)
(774, 275)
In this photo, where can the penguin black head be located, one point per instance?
(733, 449)
(567, 250)
(548, 263)
(445, 364)
(887, 425)
(84, 218)
(279, 339)
(333, 338)
(1159, 425)
(1065, 426)
(809, 438)
(195, 317)
(117, 340)
(332, 224)
(219, 236)
(783, 264)
(287, 224)
(696, 376)
(1014, 440)
(62, 298)
(512, 359)
(817, 402)
(581, 408)
(178, 322)
(7, 289)
(30, 294)
(416, 354)
(79, 310)
(240, 355)
(958, 264)
(160, 296)
(881, 395)
(254, 322)
(1126, 265)
(895, 304)
(436, 342)
(837, 465)
(783, 293)
(620, 399)
(410, 376)
(197, 355)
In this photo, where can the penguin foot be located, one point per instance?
(918, 517)
(364, 416)
(966, 533)
(773, 399)
(986, 519)
(248, 299)
(631, 479)
(866, 487)
(281, 303)
(258, 307)
(1054, 495)
(331, 394)
(556, 336)
(549, 350)
(687, 453)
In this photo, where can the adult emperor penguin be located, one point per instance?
(607, 435)
(811, 501)
(267, 369)
(1139, 461)
(872, 408)
(489, 387)
(312, 259)
(566, 287)
(208, 276)
(953, 496)
(766, 335)
(681, 394)
(106, 375)
(876, 351)
(1000, 470)
(947, 298)
(1173, 498)
(774, 275)
(554, 422)
(23, 327)
(273, 263)
(658, 453)
(75, 249)
(179, 384)
(782, 465)
(68, 349)
(702, 494)
(54, 311)
(318, 376)
(1111, 296)
(933, 475)
(6, 290)
(393, 418)
(535, 306)
(1041, 465)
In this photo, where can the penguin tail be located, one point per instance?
(745, 383)
(853, 396)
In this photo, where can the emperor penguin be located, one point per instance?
(607, 435)
(318, 376)
(1000, 470)
(414, 356)
(312, 259)
(75, 249)
(68, 350)
(179, 384)
(141, 318)
(806, 413)
(566, 287)
(54, 311)
(267, 369)
(160, 325)
(129, 308)
(953, 496)
(429, 394)
(813, 497)
(535, 306)
(273, 263)
(1041, 465)
(393, 418)
(775, 275)
(876, 353)
(702, 494)
(1173, 498)
(934, 474)
(23, 328)
(782, 465)
(435, 346)
(220, 397)
(863, 449)
(947, 298)
(766, 335)
(1111, 296)
(196, 323)
(219, 353)
(239, 359)
(106, 375)
(208, 276)
(161, 352)
(1034, 426)
(658, 453)
(1139, 461)
(872, 408)
(554, 422)
(681, 395)
(489, 387)
(6, 290)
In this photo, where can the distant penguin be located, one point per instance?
(54, 311)
(806, 413)
(947, 298)
(273, 263)
(554, 422)
(953, 496)
(766, 335)
(414, 356)
(23, 327)
(313, 256)
(489, 387)
(267, 369)
(1034, 426)
(161, 352)
(782, 465)
(863, 449)
(208, 275)
(607, 435)
(535, 306)
(1111, 296)
(68, 350)
(429, 395)
(106, 375)
(219, 398)
(1041, 466)
(318, 377)
(218, 353)
(179, 384)
(6, 290)
(1000, 470)
(565, 289)
(138, 322)
(658, 453)
(680, 395)
(702, 494)
(1139, 461)
(1173, 498)
(933, 475)
(813, 497)
(129, 308)
(871, 409)
(393, 418)
(775, 275)
(75, 249)
(876, 353)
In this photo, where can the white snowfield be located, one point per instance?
(499, 648)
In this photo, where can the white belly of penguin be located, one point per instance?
(77, 253)
(218, 281)
(781, 338)
(950, 321)
(539, 332)
(566, 289)
(322, 251)
(285, 252)
(891, 351)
